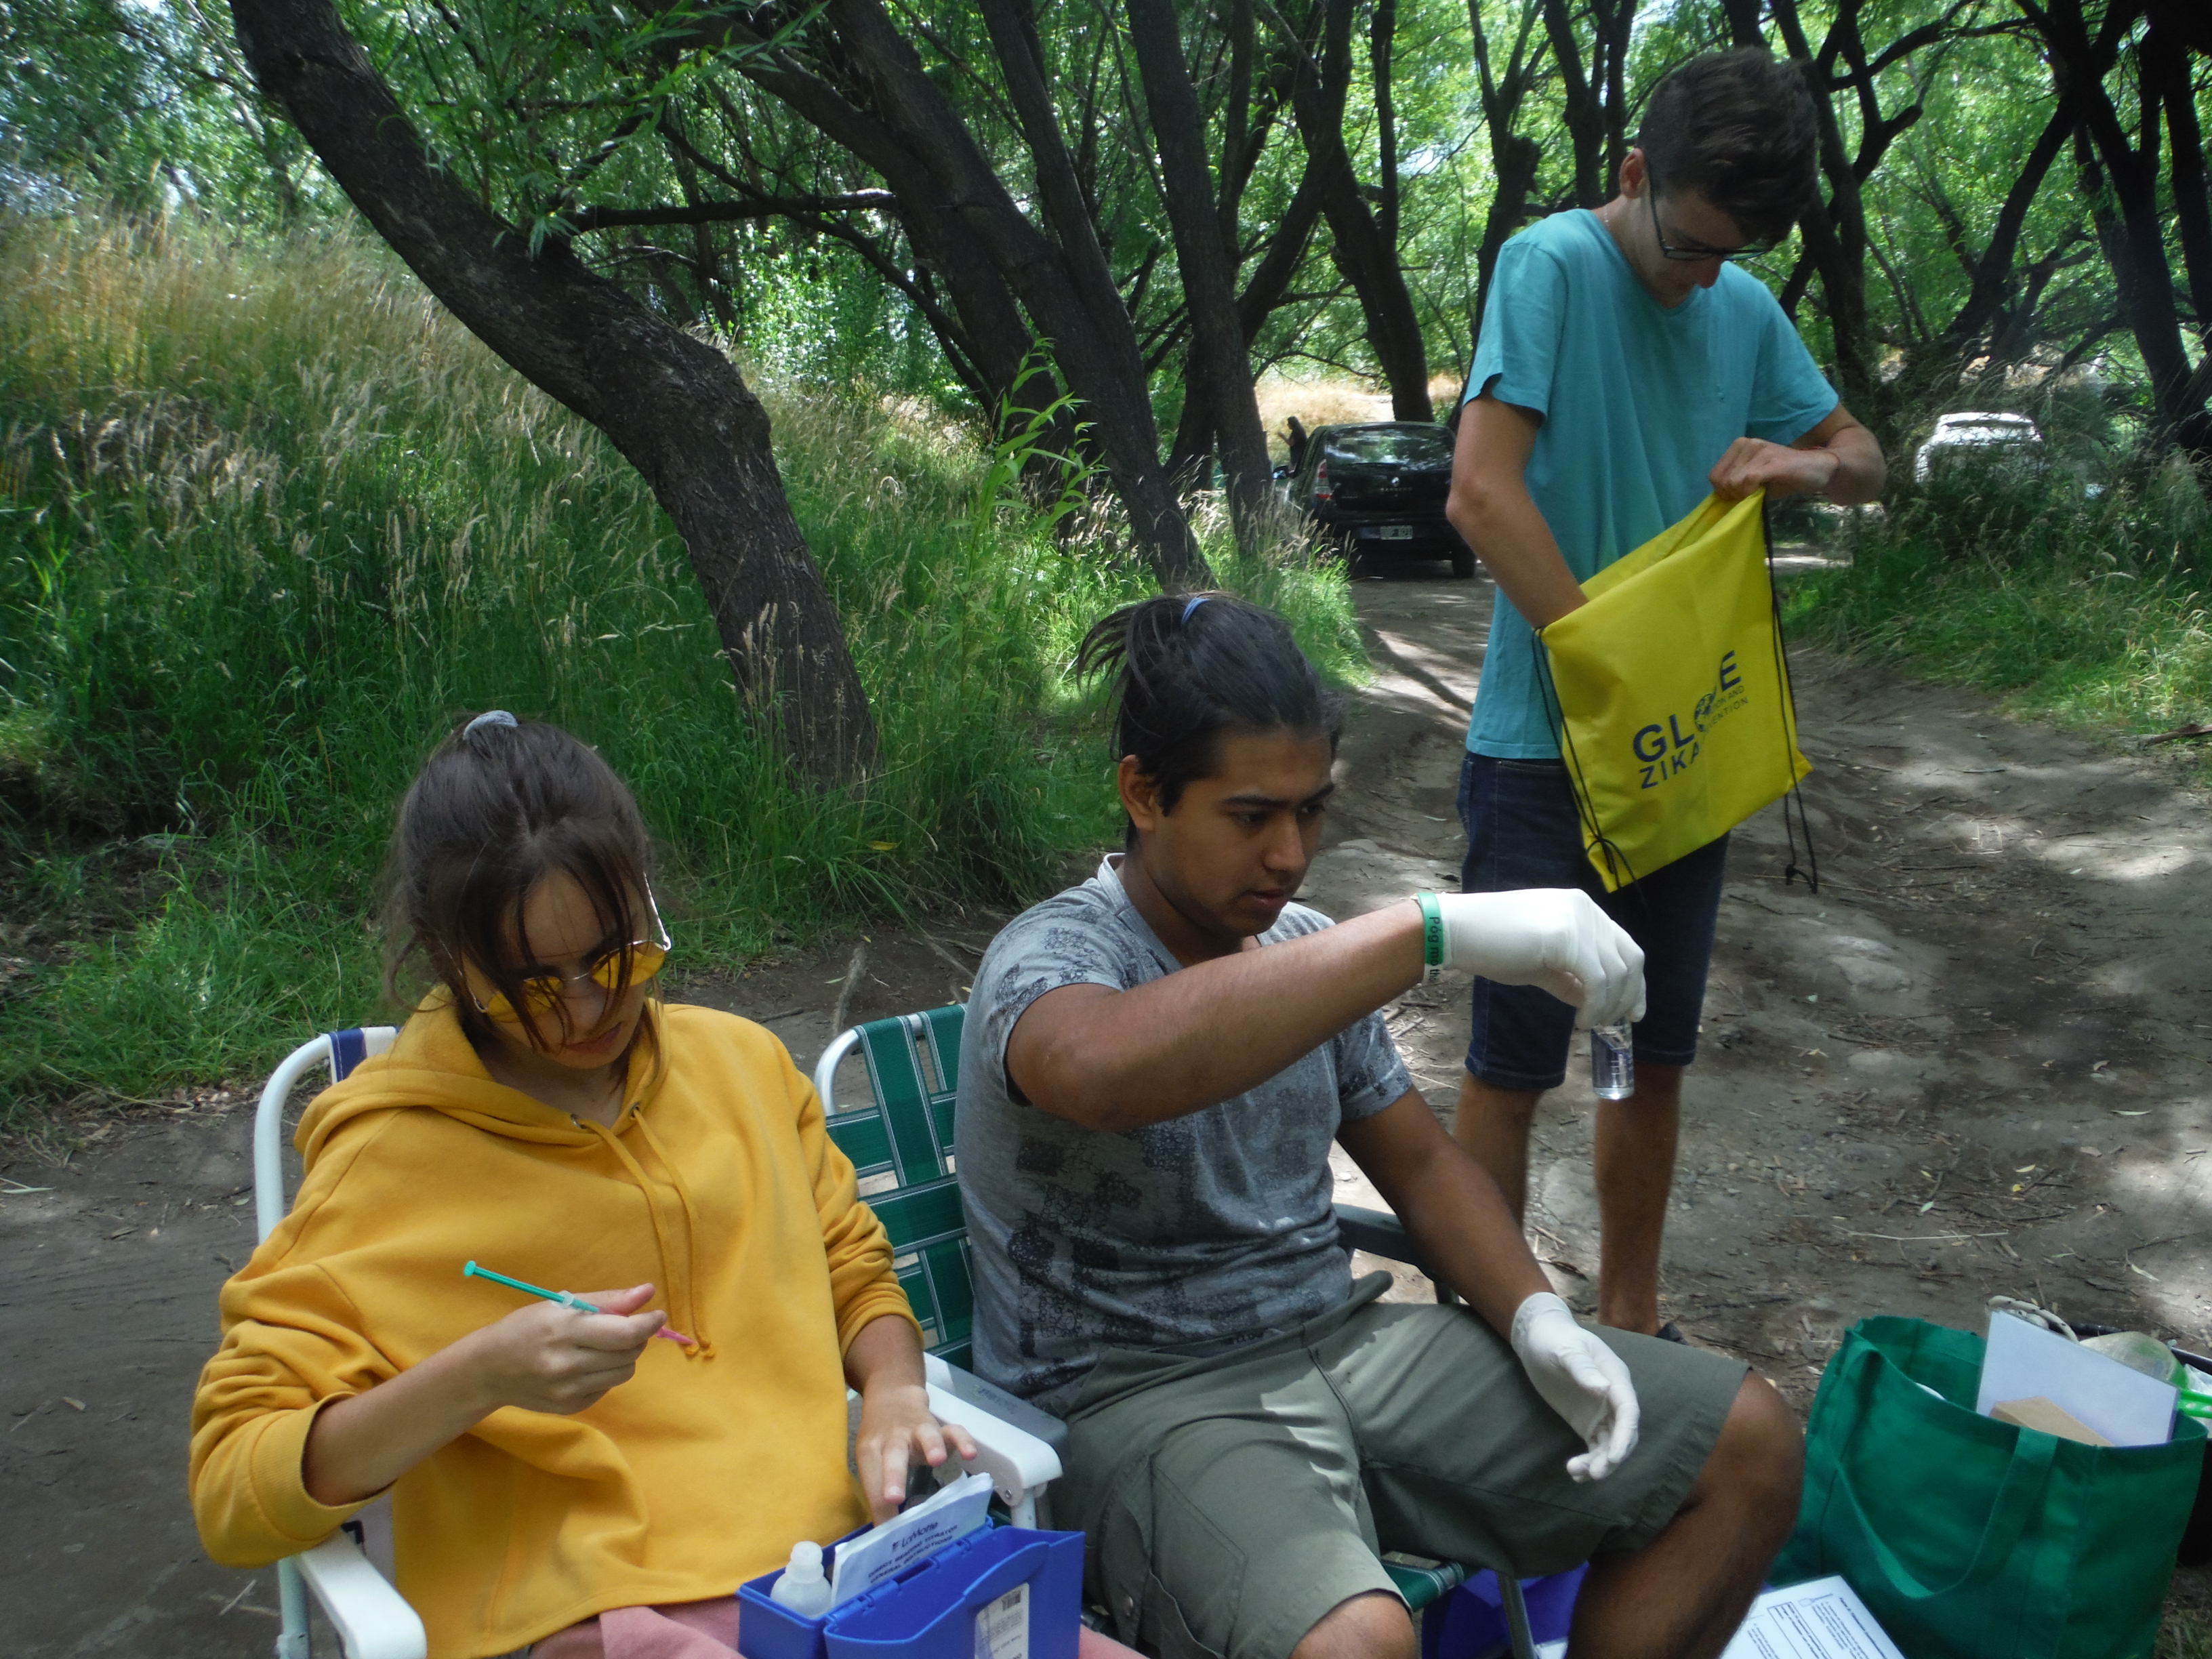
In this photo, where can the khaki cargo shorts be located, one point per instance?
(1229, 1503)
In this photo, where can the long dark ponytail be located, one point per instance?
(1188, 669)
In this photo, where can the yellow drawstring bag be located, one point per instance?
(1671, 694)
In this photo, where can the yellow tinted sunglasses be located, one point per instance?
(632, 964)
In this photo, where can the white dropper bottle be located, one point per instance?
(800, 1586)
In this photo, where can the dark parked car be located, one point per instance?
(1379, 489)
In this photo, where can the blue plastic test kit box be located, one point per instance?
(1001, 1592)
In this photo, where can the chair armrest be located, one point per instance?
(372, 1620)
(1377, 1232)
(1380, 1233)
(989, 1399)
(1018, 1462)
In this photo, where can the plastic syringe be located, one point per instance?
(566, 1299)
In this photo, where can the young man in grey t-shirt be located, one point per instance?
(1154, 1065)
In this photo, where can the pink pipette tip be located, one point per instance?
(674, 1336)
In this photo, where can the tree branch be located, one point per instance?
(583, 220)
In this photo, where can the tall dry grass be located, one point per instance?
(271, 522)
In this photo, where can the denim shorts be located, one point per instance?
(1522, 831)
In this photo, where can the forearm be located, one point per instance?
(1198, 1037)
(1460, 1223)
(1860, 469)
(361, 1444)
(1501, 523)
(885, 1352)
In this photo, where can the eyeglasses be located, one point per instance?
(624, 966)
(1687, 255)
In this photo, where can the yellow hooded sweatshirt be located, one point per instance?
(720, 1185)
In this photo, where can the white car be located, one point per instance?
(1986, 440)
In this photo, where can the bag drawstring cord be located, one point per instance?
(1787, 691)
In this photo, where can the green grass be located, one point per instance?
(270, 521)
(2184, 1635)
(2087, 609)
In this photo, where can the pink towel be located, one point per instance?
(704, 1630)
(684, 1630)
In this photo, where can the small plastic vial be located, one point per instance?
(1612, 1062)
(800, 1586)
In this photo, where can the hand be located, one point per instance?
(1751, 464)
(896, 1426)
(548, 1358)
(1552, 937)
(1581, 1379)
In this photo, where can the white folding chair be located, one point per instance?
(372, 1620)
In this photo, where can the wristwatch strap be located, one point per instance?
(1432, 938)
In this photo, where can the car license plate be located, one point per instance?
(1396, 532)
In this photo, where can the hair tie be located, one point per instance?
(494, 717)
(1197, 601)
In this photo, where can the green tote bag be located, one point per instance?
(1971, 1539)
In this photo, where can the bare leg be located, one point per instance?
(1634, 1159)
(1492, 1126)
(1369, 1626)
(1683, 1595)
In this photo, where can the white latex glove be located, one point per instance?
(1552, 937)
(1581, 1379)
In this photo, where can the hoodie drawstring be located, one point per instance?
(701, 1345)
(691, 1309)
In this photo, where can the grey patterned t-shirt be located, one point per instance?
(1208, 1228)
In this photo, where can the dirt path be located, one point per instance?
(1973, 1064)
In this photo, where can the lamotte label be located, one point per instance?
(1668, 747)
(1002, 1627)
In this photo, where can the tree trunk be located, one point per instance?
(1069, 295)
(990, 341)
(677, 409)
(1593, 107)
(1263, 292)
(1834, 232)
(1579, 108)
(1514, 157)
(1381, 32)
(1367, 261)
(1223, 370)
(2166, 58)
(2133, 242)
(1992, 273)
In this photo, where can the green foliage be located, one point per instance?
(523, 100)
(271, 524)
(2086, 605)
(1019, 451)
(537, 107)
(143, 107)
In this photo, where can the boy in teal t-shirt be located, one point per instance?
(1625, 369)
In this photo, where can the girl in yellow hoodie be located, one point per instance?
(542, 1113)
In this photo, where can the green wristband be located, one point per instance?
(1432, 938)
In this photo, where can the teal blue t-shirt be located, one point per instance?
(1638, 401)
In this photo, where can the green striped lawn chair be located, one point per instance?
(901, 1144)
